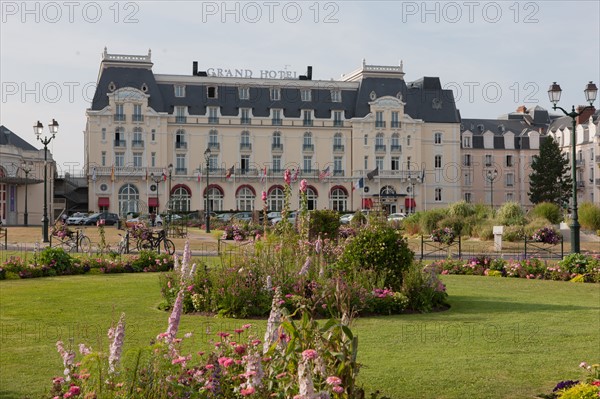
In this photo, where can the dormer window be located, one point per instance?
(305, 95)
(211, 92)
(244, 93)
(336, 96)
(179, 91)
(275, 94)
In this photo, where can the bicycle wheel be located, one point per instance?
(144, 245)
(169, 246)
(85, 244)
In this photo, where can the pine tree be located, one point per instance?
(550, 180)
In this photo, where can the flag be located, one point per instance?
(373, 173)
(229, 172)
(359, 184)
(295, 175)
(146, 178)
(164, 175)
(199, 175)
(94, 173)
(112, 173)
(263, 175)
(324, 173)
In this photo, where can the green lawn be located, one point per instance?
(502, 338)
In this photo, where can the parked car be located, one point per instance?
(144, 219)
(242, 217)
(110, 219)
(291, 218)
(396, 216)
(76, 218)
(224, 217)
(273, 215)
(347, 218)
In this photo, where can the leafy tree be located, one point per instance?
(550, 180)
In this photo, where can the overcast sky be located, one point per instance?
(494, 55)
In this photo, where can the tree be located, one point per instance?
(550, 180)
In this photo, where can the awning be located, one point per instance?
(103, 202)
(153, 201)
(410, 203)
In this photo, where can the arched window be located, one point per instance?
(387, 191)
(338, 200)
(128, 200)
(2, 197)
(245, 199)
(275, 199)
(215, 198)
(311, 199)
(180, 199)
(180, 139)
(379, 139)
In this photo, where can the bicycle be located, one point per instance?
(154, 241)
(77, 241)
(123, 246)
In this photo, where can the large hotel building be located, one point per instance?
(368, 139)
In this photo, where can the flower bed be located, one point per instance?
(444, 236)
(546, 235)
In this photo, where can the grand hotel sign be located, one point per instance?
(247, 73)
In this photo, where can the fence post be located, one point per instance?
(525, 247)
(219, 246)
(459, 248)
(562, 253)
(422, 246)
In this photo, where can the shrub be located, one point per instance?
(513, 233)
(358, 219)
(580, 263)
(484, 230)
(546, 235)
(56, 259)
(461, 209)
(324, 223)
(589, 216)
(430, 219)
(548, 210)
(412, 224)
(511, 213)
(580, 391)
(444, 236)
(455, 223)
(534, 225)
(423, 288)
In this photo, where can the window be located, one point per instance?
(153, 135)
(337, 142)
(103, 158)
(153, 159)
(245, 116)
(338, 169)
(245, 199)
(179, 91)
(180, 200)
(103, 134)
(468, 198)
(510, 180)
(366, 139)
(244, 164)
(366, 162)
(213, 139)
(307, 117)
(509, 160)
(275, 199)
(395, 163)
(468, 179)
(307, 142)
(337, 118)
(488, 160)
(379, 122)
(395, 119)
(276, 117)
(305, 95)
(119, 159)
(138, 140)
(119, 137)
(408, 140)
(128, 199)
(437, 161)
(276, 163)
(467, 160)
(336, 96)
(379, 142)
(119, 114)
(339, 200)
(467, 142)
(244, 93)
(180, 114)
(211, 92)
(275, 94)
(307, 164)
(245, 141)
(438, 194)
(137, 113)
(311, 199)
(437, 138)
(180, 139)
(408, 162)
(137, 159)
(213, 162)
(215, 199)
(395, 142)
(213, 115)
(379, 163)
(276, 144)
(180, 168)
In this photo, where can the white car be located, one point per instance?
(291, 217)
(396, 216)
(76, 218)
(145, 219)
(347, 218)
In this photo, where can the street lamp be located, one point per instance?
(38, 129)
(412, 180)
(554, 93)
(207, 207)
(26, 167)
(156, 180)
(170, 167)
(491, 176)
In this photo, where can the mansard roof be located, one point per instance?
(8, 137)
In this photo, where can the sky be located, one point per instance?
(494, 55)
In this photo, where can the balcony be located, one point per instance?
(395, 124)
(307, 122)
(338, 148)
(181, 145)
(379, 147)
(138, 118)
(246, 121)
(338, 172)
(181, 119)
(120, 143)
(580, 163)
(245, 146)
(276, 121)
(181, 171)
(214, 146)
(119, 118)
(213, 119)
(308, 147)
(338, 123)
(276, 147)
(379, 123)
(580, 184)
(395, 148)
(137, 143)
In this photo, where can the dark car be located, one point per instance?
(109, 219)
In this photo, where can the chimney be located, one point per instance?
(195, 68)
(309, 73)
(522, 109)
(585, 115)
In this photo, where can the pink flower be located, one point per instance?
(303, 185)
(264, 196)
(225, 361)
(247, 391)
(74, 390)
(337, 389)
(246, 326)
(287, 177)
(310, 354)
(333, 380)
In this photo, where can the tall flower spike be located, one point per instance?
(305, 267)
(185, 262)
(305, 382)
(175, 317)
(271, 335)
(116, 345)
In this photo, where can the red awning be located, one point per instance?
(153, 201)
(103, 202)
(410, 203)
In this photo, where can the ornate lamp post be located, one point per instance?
(38, 129)
(26, 167)
(554, 93)
(207, 207)
(156, 180)
(491, 176)
(170, 168)
(412, 180)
